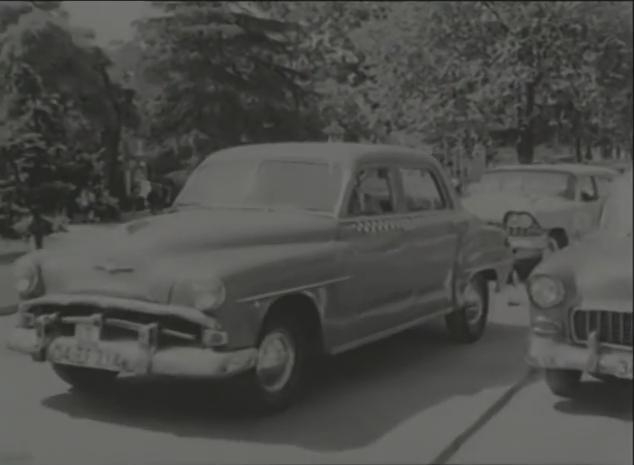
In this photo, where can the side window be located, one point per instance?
(421, 190)
(372, 193)
(587, 189)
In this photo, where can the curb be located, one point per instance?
(455, 445)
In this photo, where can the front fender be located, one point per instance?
(255, 277)
(556, 219)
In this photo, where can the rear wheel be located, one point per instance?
(85, 379)
(563, 383)
(467, 323)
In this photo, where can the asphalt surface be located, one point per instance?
(415, 398)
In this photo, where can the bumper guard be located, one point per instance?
(594, 358)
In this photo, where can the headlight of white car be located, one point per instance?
(522, 220)
(546, 291)
(27, 277)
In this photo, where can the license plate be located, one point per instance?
(90, 357)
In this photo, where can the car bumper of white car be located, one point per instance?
(132, 356)
(595, 359)
(526, 248)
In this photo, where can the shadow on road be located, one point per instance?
(358, 398)
(611, 400)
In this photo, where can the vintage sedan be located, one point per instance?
(543, 207)
(271, 255)
(581, 302)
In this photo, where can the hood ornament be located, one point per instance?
(112, 267)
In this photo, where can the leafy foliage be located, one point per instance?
(61, 114)
(225, 73)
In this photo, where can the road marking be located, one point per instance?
(460, 440)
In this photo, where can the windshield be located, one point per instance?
(616, 218)
(263, 184)
(547, 183)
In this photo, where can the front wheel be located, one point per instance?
(466, 324)
(85, 379)
(563, 383)
(277, 378)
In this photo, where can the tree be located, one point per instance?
(449, 67)
(327, 51)
(224, 73)
(59, 103)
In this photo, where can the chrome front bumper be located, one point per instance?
(545, 352)
(138, 352)
(528, 247)
(129, 356)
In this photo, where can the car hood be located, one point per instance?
(492, 206)
(193, 230)
(600, 267)
(143, 258)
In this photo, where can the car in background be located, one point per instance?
(581, 302)
(270, 256)
(542, 207)
(621, 166)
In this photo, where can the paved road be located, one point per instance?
(404, 400)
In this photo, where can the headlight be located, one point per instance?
(208, 295)
(521, 224)
(521, 220)
(545, 291)
(27, 277)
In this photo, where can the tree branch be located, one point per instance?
(489, 6)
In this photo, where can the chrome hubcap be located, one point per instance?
(474, 307)
(276, 359)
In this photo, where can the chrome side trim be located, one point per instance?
(387, 332)
(306, 287)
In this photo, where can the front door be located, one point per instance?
(378, 290)
(431, 237)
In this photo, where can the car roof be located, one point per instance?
(345, 153)
(571, 168)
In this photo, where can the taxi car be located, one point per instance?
(543, 207)
(271, 256)
(581, 302)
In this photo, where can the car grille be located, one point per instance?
(524, 232)
(614, 328)
(120, 323)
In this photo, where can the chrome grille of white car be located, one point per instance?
(613, 328)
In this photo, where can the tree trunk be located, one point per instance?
(526, 142)
(111, 140)
(576, 131)
(37, 229)
(588, 155)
